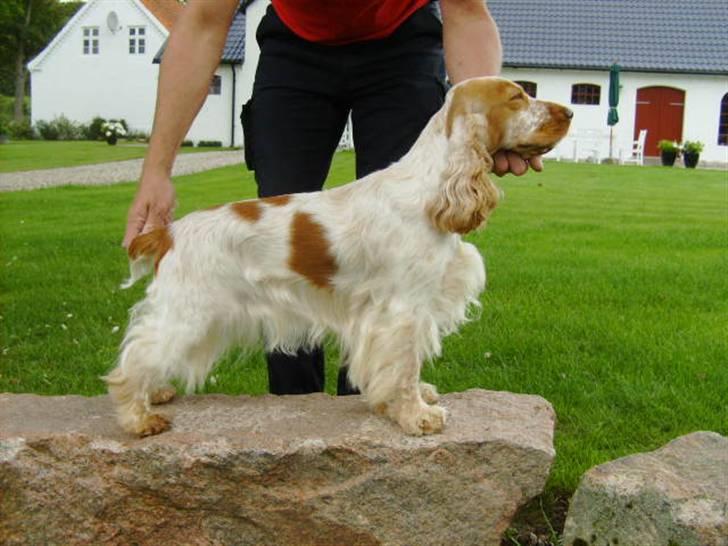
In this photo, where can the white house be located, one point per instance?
(674, 68)
(100, 63)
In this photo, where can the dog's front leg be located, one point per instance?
(410, 409)
(386, 367)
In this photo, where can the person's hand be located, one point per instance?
(505, 162)
(152, 207)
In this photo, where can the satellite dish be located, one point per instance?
(112, 20)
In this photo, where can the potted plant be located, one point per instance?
(112, 130)
(691, 153)
(669, 150)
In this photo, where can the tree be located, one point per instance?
(26, 26)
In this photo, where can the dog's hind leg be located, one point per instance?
(159, 346)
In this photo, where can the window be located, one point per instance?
(215, 85)
(90, 40)
(723, 121)
(529, 88)
(585, 93)
(137, 41)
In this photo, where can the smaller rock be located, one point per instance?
(677, 495)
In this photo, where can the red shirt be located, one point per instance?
(337, 22)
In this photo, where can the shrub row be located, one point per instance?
(62, 128)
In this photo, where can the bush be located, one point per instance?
(209, 144)
(137, 136)
(93, 130)
(187, 143)
(47, 130)
(21, 130)
(4, 126)
(61, 128)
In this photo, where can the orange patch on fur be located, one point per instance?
(248, 210)
(277, 200)
(155, 243)
(310, 251)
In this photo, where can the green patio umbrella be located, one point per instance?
(613, 115)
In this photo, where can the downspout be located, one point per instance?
(232, 110)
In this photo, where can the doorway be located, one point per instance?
(660, 111)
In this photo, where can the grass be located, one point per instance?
(27, 155)
(608, 296)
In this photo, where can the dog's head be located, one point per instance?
(481, 117)
(502, 116)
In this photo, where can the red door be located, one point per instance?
(660, 111)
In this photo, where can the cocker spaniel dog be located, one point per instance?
(379, 263)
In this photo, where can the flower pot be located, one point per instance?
(111, 140)
(690, 159)
(668, 158)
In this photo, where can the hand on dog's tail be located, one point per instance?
(145, 253)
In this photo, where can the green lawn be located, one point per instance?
(608, 296)
(27, 155)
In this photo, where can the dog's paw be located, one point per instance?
(426, 420)
(429, 393)
(153, 424)
(163, 395)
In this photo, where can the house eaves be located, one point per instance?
(641, 35)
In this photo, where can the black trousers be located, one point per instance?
(302, 97)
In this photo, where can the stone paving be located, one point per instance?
(114, 172)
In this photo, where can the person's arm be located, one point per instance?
(473, 48)
(190, 59)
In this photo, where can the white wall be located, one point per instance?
(112, 84)
(218, 114)
(703, 94)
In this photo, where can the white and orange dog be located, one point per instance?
(379, 263)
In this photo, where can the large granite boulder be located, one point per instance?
(675, 496)
(294, 470)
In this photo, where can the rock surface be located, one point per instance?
(677, 495)
(294, 470)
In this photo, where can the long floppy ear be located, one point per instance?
(467, 195)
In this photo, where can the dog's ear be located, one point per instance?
(467, 195)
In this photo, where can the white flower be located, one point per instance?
(114, 329)
(108, 133)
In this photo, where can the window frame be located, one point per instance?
(90, 40)
(528, 86)
(587, 94)
(215, 85)
(137, 39)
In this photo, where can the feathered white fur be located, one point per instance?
(379, 263)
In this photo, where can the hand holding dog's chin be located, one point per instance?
(153, 206)
(505, 162)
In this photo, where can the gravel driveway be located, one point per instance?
(114, 172)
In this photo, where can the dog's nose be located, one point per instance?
(568, 113)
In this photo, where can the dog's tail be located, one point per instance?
(146, 252)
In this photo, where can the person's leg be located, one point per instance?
(397, 89)
(292, 126)
(397, 84)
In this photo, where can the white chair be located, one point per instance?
(638, 150)
(589, 144)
